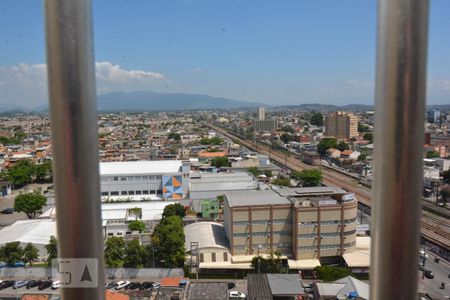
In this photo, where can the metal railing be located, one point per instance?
(399, 131)
(400, 106)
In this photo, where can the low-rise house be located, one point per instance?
(333, 153)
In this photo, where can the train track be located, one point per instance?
(433, 228)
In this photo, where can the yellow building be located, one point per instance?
(341, 125)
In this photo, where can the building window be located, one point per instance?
(145, 192)
(130, 192)
(225, 256)
(114, 193)
(138, 192)
(202, 259)
(123, 178)
(152, 192)
(130, 178)
(104, 193)
(213, 257)
(124, 193)
(116, 178)
(159, 192)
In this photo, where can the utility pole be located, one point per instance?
(423, 262)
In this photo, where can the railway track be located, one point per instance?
(435, 229)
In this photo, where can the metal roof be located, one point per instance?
(258, 287)
(140, 167)
(284, 284)
(249, 198)
(36, 231)
(207, 234)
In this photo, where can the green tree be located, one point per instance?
(205, 141)
(114, 252)
(268, 173)
(175, 136)
(362, 127)
(30, 204)
(368, 136)
(43, 172)
(134, 254)
(168, 242)
(175, 209)
(52, 250)
(136, 226)
(432, 154)
(287, 128)
(254, 171)
(21, 174)
(271, 264)
(30, 253)
(308, 177)
(216, 141)
(446, 176)
(329, 273)
(445, 192)
(285, 138)
(325, 144)
(221, 161)
(135, 212)
(282, 182)
(11, 253)
(342, 146)
(316, 119)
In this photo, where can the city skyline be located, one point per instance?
(260, 52)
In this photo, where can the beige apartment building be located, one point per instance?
(301, 223)
(341, 125)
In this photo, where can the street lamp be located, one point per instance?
(259, 258)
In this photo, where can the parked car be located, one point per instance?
(429, 274)
(231, 285)
(236, 294)
(122, 284)
(56, 284)
(7, 211)
(45, 285)
(19, 284)
(146, 285)
(156, 285)
(33, 283)
(110, 285)
(6, 284)
(134, 286)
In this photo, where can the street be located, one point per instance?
(441, 272)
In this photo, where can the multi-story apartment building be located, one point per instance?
(301, 223)
(155, 180)
(265, 125)
(341, 125)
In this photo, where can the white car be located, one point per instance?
(155, 285)
(56, 284)
(238, 295)
(122, 284)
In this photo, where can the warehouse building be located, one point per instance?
(144, 180)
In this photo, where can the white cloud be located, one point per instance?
(198, 69)
(26, 84)
(107, 71)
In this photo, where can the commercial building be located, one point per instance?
(341, 125)
(301, 223)
(261, 113)
(265, 125)
(144, 180)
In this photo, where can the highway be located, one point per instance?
(433, 228)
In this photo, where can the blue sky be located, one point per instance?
(275, 52)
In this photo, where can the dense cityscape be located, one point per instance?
(241, 195)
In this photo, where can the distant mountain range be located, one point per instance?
(152, 101)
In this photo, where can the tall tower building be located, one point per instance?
(341, 125)
(261, 113)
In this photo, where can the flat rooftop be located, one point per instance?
(140, 167)
(250, 198)
(311, 191)
(208, 291)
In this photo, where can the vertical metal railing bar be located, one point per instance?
(72, 93)
(399, 129)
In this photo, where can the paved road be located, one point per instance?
(441, 272)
